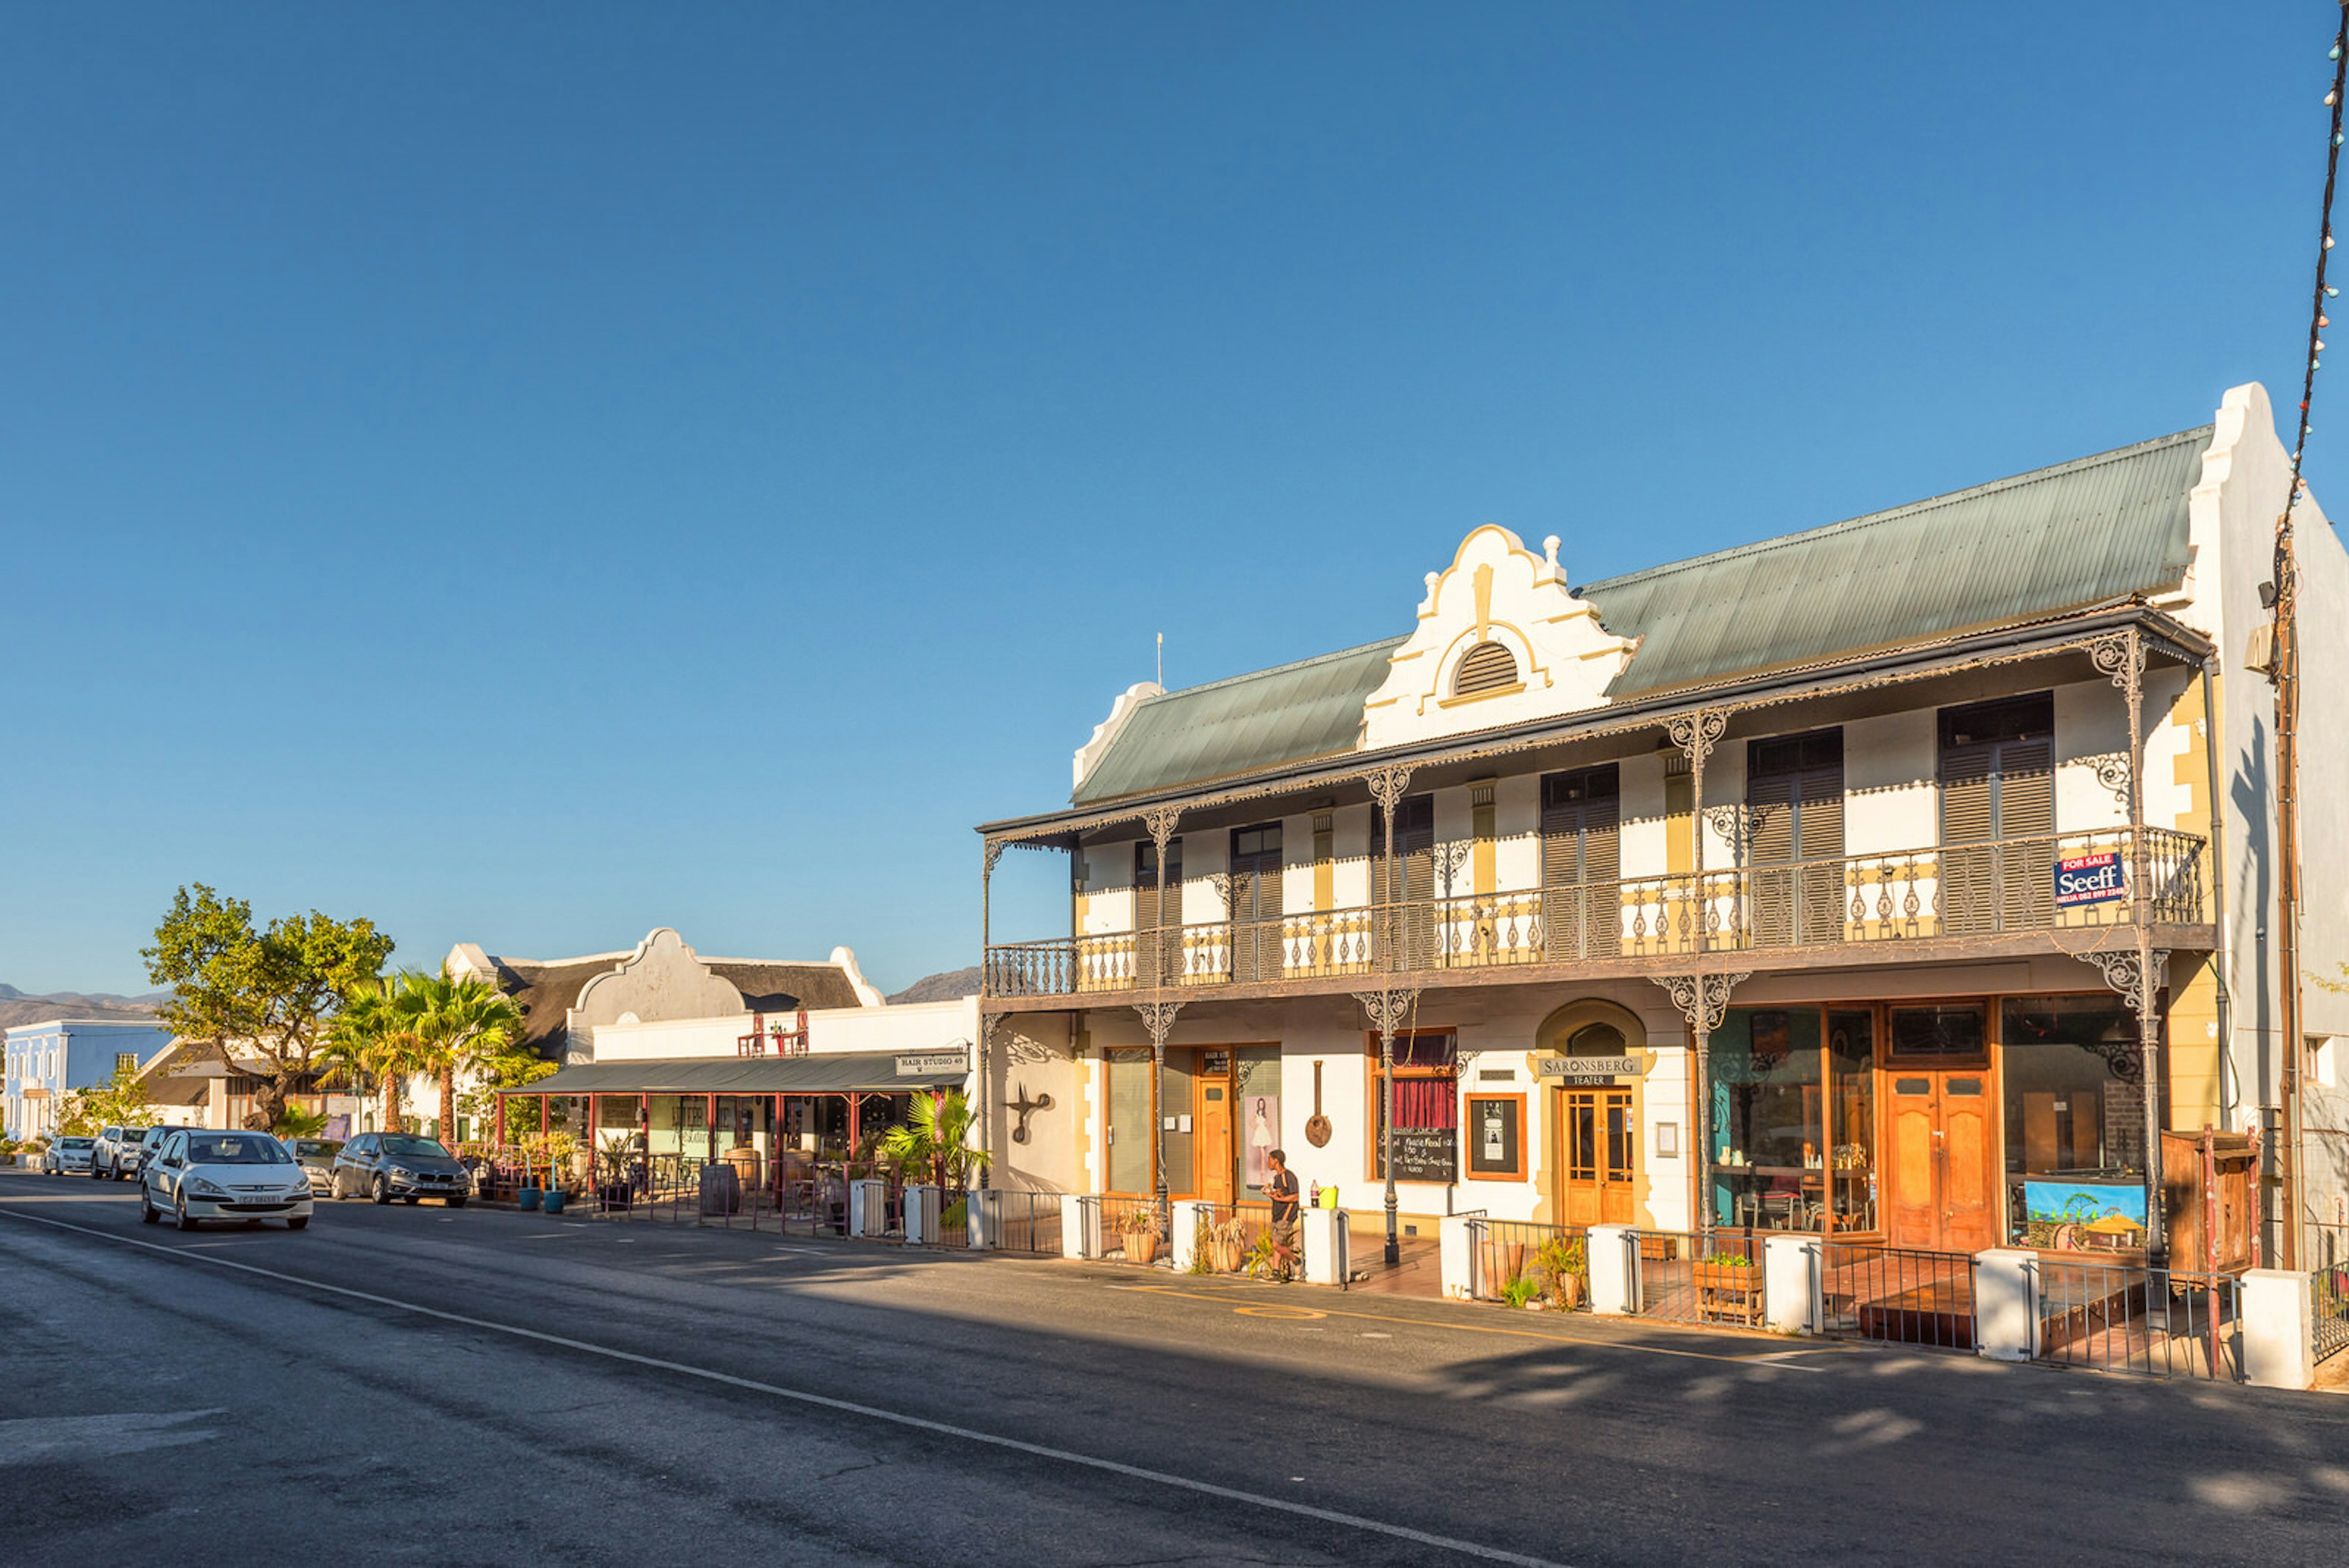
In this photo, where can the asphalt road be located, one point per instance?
(412, 1385)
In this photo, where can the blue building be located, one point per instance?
(46, 1061)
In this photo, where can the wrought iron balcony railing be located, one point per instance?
(1998, 888)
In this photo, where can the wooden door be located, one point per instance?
(1212, 1152)
(1582, 902)
(1942, 1185)
(1601, 1142)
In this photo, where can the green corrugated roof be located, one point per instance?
(1286, 714)
(2083, 533)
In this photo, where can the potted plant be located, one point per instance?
(1565, 1264)
(1729, 1288)
(1501, 1262)
(1137, 1233)
(1226, 1245)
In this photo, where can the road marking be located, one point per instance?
(845, 1406)
(1772, 1359)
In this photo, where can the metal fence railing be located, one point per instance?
(1688, 1276)
(2329, 1323)
(1518, 1261)
(2131, 1317)
(1026, 1221)
(1898, 1295)
(1133, 1230)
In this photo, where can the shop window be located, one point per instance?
(1794, 1118)
(1426, 1108)
(1953, 1031)
(1130, 1110)
(2075, 1134)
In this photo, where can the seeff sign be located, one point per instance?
(2089, 879)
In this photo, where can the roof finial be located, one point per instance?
(1549, 554)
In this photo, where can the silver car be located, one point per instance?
(69, 1156)
(115, 1157)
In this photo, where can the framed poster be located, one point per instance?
(1497, 1143)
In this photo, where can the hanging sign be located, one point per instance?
(2089, 879)
(1588, 1071)
(931, 1063)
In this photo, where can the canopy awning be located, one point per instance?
(835, 1072)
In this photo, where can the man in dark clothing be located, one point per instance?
(1280, 1186)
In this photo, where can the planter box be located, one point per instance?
(1729, 1293)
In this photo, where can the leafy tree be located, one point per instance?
(461, 1024)
(373, 1041)
(296, 1122)
(120, 1101)
(937, 1136)
(271, 994)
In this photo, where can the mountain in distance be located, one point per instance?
(109, 1007)
(946, 987)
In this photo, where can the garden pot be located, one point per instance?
(553, 1202)
(528, 1197)
(1565, 1291)
(1141, 1246)
(1503, 1261)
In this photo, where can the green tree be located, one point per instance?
(373, 1041)
(937, 1136)
(120, 1101)
(461, 1024)
(271, 994)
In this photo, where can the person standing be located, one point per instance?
(1280, 1186)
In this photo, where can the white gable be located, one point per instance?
(1496, 594)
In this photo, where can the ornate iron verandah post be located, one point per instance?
(988, 1022)
(1695, 735)
(2122, 658)
(1702, 1000)
(1158, 1018)
(1389, 1006)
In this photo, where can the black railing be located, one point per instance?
(2131, 1317)
(1687, 1276)
(1520, 1263)
(1898, 1295)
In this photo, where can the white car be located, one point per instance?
(116, 1156)
(197, 1175)
(69, 1156)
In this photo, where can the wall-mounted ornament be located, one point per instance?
(1317, 1127)
(1024, 1107)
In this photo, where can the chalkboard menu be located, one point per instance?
(1426, 1154)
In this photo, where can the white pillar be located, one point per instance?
(1081, 1225)
(1183, 1220)
(868, 1208)
(1323, 1237)
(922, 1214)
(1455, 1252)
(982, 1206)
(2279, 1321)
(2006, 1303)
(1790, 1283)
(1614, 1270)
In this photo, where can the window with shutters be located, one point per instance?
(1157, 908)
(1256, 873)
(1488, 667)
(1409, 922)
(1793, 802)
(1998, 814)
(1582, 907)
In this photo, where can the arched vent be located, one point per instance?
(1488, 667)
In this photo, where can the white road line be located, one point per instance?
(846, 1406)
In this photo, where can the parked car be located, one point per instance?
(385, 1166)
(69, 1156)
(149, 1142)
(194, 1175)
(114, 1156)
(316, 1155)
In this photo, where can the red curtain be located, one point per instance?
(1426, 1103)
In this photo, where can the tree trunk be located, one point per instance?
(268, 1100)
(449, 1103)
(391, 1101)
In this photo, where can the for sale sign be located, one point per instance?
(2089, 879)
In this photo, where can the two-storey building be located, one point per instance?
(1904, 878)
(47, 1061)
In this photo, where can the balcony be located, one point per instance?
(1975, 897)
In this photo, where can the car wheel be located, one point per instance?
(179, 1211)
(94, 1172)
(147, 1212)
(382, 1189)
(299, 1222)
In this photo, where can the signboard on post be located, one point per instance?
(929, 1063)
(1586, 1072)
(2089, 879)
(1425, 1154)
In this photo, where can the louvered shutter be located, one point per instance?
(1969, 891)
(1770, 814)
(1818, 843)
(1602, 869)
(2027, 827)
(1488, 667)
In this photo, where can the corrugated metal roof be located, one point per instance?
(2083, 533)
(1285, 714)
(823, 1072)
(2088, 532)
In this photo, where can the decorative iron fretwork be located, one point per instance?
(1160, 821)
(1704, 995)
(1221, 882)
(1734, 826)
(1695, 733)
(1158, 1020)
(2121, 657)
(2112, 773)
(1388, 1010)
(1387, 786)
(1450, 858)
(994, 853)
(2137, 984)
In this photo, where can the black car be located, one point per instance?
(406, 1166)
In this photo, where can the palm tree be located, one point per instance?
(937, 1136)
(459, 1024)
(373, 1041)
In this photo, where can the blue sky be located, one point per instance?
(531, 473)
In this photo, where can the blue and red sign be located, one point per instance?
(2089, 879)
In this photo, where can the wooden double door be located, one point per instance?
(1599, 1140)
(1941, 1173)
